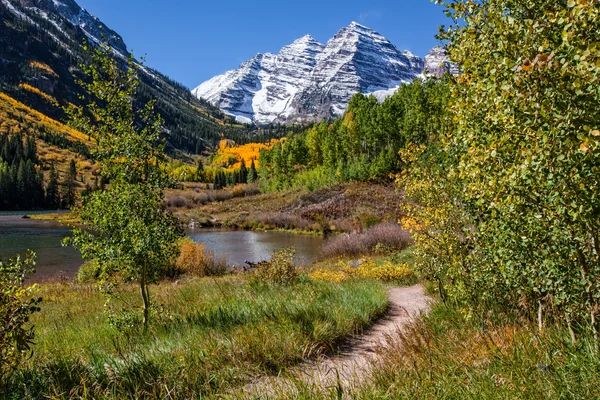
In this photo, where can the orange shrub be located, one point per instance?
(193, 258)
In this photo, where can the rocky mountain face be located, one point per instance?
(41, 48)
(93, 28)
(308, 81)
(437, 63)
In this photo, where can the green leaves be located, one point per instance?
(525, 158)
(129, 233)
(17, 303)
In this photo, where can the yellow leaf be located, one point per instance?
(584, 146)
(595, 132)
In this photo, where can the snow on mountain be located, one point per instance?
(437, 63)
(307, 81)
(59, 12)
(261, 89)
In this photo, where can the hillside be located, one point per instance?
(56, 143)
(309, 82)
(41, 48)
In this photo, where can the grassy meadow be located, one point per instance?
(210, 336)
(446, 355)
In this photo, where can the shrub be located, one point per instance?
(386, 236)
(195, 260)
(284, 221)
(16, 306)
(280, 269)
(328, 275)
(192, 258)
(386, 271)
(90, 271)
(316, 178)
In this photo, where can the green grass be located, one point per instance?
(448, 356)
(213, 335)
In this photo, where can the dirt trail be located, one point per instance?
(353, 363)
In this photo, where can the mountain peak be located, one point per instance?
(305, 38)
(308, 81)
(356, 25)
(306, 41)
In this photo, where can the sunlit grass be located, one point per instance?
(446, 355)
(212, 335)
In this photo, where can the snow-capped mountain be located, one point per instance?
(437, 63)
(71, 12)
(41, 48)
(308, 81)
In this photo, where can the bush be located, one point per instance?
(90, 271)
(328, 275)
(386, 271)
(386, 237)
(316, 178)
(280, 269)
(195, 260)
(16, 306)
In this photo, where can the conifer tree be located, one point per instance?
(243, 178)
(68, 196)
(200, 171)
(252, 174)
(52, 200)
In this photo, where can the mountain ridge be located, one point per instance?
(41, 50)
(308, 81)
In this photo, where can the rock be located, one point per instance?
(437, 63)
(308, 81)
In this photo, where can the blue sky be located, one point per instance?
(192, 40)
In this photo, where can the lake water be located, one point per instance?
(17, 235)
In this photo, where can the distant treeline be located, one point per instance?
(22, 177)
(363, 145)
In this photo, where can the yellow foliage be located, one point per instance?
(387, 271)
(37, 91)
(246, 153)
(8, 105)
(328, 275)
(44, 67)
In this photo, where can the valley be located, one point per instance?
(337, 218)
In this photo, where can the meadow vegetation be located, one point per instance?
(496, 211)
(209, 336)
(350, 207)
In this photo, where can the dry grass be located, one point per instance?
(342, 208)
(197, 195)
(280, 220)
(382, 237)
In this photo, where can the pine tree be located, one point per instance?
(22, 186)
(222, 180)
(252, 174)
(68, 195)
(243, 173)
(52, 194)
(200, 171)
